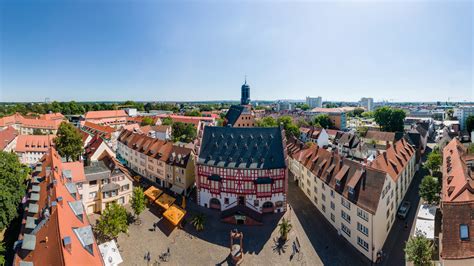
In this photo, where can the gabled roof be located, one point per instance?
(380, 135)
(96, 129)
(251, 148)
(7, 136)
(233, 114)
(105, 114)
(394, 159)
(458, 181)
(34, 143)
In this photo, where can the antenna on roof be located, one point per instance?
(245, 79)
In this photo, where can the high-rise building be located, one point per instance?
(462, 113)
(367, 103)
(245, 98)
(314, 102)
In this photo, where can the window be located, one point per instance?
(388, 226)
(323, 197)
(79, 185)
(333, 206)
(322, 186)
(332, 193)
(315, 199)
(226, 200)
(346, 229)
(308, 191)
(345, 216)
(464, 231)
(93, 183)
(333, 218)
(388, 213)
(362, 214)
(361, 228)
(315, 190)
(362, 243)
(323, 207)
(345, 203)
(92, 195)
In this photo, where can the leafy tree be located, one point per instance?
(470, 123)
(193, 113)
(331, 105)
(166, 121)
(2, 253)
(304, 107)
(449, 114)
(368, 114)
(357, 112)
(284, 228)
(389, 119)
(198, 221)
(183, 132)
(147, 121)
(419, 249)
(433, 162)
(68, 142)
(267, 121)
(112, 222)
(12, 186)
(362, 131)
(430, 189)
(290, 128)
(302, 123)
(138, 201)
(323, 121)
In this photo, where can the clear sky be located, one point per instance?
(201, 50)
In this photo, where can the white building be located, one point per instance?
(315, 135)
(359, 200)
(30, 148)
(314, 102)
(284, 106)
(462, 113)
(367, 103)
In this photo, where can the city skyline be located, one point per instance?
(201, 51)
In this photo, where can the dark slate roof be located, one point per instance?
(251, 148)
(233, 114)
(414, 138)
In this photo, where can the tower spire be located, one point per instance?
(245, 79)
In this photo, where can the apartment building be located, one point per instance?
(314, 102)
(359, 200)
(457, 206)
(315, 135)
(54, 229)
(30, 148)
(336, 115)
(45, 124)
(462, 113)
(100, 183)
(162, 162)
(113, 118)
(367, 103)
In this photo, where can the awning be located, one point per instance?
(152, 193)
(110, 253)
(174, 214)
(165, 201)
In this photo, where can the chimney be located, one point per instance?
(60, 200)
(67, 243)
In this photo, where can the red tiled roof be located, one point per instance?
(188, 119)
(34, 143)
(328, 110)
(147, 129)
(454, 215)
(105, 131)
(42, 123)
(380, 135)
(394, 159)
(61, 223)
(52, 116)
(458, 181)
(7, 136)
(105, 114)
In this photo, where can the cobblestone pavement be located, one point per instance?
(211, 246)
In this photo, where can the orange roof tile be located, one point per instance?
(34, 143)
(105, 114)
(7, 136)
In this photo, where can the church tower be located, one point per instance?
(245, 97)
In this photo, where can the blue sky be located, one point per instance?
(201, 50)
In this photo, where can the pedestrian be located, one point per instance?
(148, 258)
(154, 226)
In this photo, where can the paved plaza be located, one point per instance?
(211, 246)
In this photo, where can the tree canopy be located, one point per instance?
(323, 121)
(68, 142)
(183, 132)
(470, 123)
(193, 113)
(419, 250)
(291, 129)
(12, 186)
(112, 222)
(267, 121)
(357, 112)
(433, 162)
(389, 119)
(147, 121)
(166, 121)
(430, 189)
(138, 201)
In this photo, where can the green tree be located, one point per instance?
(331, 105)
(12, 186)
(167, 121)
(147, 121)
(267, 121)
(304, 107)
(198, 221)
(389, 119)
(357, 112)
(183, 132)
(192, 113)
(2, 253)
(323, 121)
(470, 123)
(419, 249)
(433, 162)
(68, 142)
(112, 222)
(430, 189)
(368, 114)
(138, 201)
(291, 129)
(284, 228)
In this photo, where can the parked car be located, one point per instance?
(403, 210)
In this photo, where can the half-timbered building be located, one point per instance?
(242, 172)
